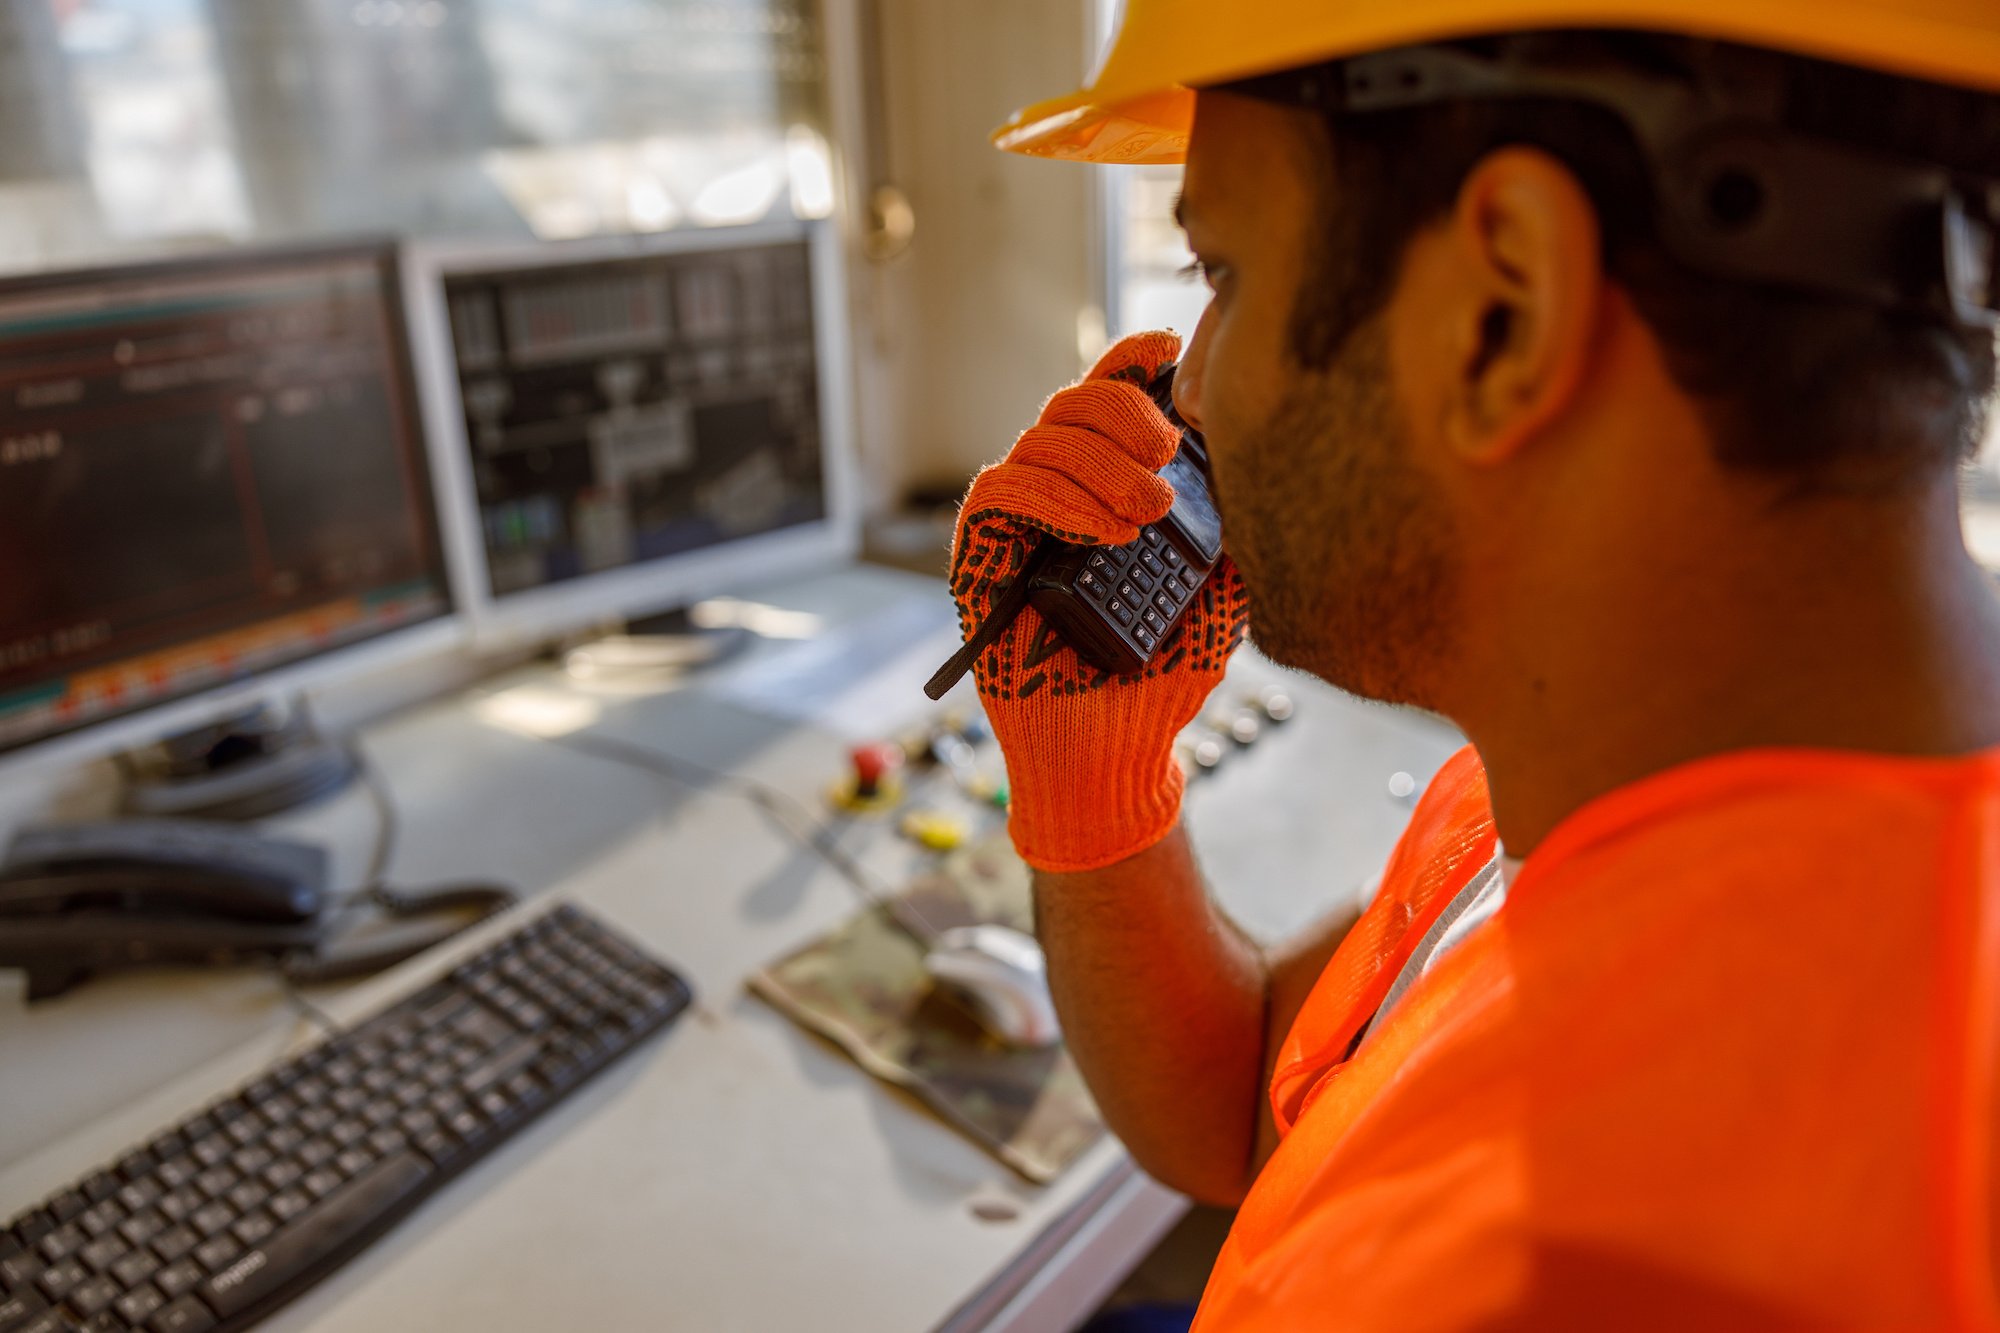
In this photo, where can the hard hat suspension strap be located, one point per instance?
(1741, 195)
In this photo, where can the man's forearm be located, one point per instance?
(1164, 1005)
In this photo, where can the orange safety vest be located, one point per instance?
(1725, 1059)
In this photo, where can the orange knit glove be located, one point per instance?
(1090, 760)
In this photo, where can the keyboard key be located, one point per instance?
(138, 1230)
(171, 1245)
(65, 1206)
(186, 1315)
(254, 1228)
(217, 1254)
(98, 1255)
(138, 1163)
(57, 1279)
(18, 1270)
(64, 1241)
(183, 1276)
(289, 1205)
(19, 1308)
(212, 1219)
(252, 1159)
(180, 1205)
(135, 1306)
(94, 1295)
(134, 1268)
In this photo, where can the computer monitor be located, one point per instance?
(213, 488)
(630, 425)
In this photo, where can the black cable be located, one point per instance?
(388, 825)
(789, 813)
(318, 966)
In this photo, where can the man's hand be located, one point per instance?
(1089, 754)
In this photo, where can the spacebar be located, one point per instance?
(313, 1236)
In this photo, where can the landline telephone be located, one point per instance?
(79, 899)
(1116, 605)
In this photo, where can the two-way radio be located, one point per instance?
(1115, 605)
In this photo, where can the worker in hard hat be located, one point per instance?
(1597, 374)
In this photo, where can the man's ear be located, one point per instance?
(1522, 321)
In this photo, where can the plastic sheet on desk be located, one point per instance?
(858, 680)
(863, 986)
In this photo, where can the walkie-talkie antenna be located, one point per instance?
(1005, 608)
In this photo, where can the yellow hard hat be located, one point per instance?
(1138, 107)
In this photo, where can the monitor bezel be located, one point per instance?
(434, 637)
(553, 611)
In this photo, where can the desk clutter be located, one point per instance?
(866, 985)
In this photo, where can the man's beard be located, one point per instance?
(1344, 544)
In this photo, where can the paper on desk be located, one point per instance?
(864, 987)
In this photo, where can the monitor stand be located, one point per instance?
(666, 644)
(259, 762)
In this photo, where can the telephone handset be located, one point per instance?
(81, 898)
(78, 899)
(1116, 605)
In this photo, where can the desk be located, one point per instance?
(737, 1173)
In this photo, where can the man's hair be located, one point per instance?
(1832, 393)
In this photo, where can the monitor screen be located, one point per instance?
(619, 411)
(207, 470)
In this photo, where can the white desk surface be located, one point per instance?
(737, 1173)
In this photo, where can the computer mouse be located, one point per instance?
(1001, 978)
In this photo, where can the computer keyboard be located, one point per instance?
(237, 1209)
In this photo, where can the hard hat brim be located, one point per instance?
(1140, 105)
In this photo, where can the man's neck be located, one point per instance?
(1857, 629)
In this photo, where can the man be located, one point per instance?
(1603, 390)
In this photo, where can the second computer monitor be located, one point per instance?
(638, 424)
